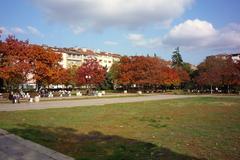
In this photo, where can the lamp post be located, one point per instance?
(88, 77)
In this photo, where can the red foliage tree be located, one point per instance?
(237, 73)
(182, 74)
(125, 71)
(90, 73)
(22, 62)
(14, 64)
(216, 71)
(170, 76)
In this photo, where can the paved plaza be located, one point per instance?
(13, 147)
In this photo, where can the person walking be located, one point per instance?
(10, 97)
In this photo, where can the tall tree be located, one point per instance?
(113, 74)
(217, 71)
(177, 58)
(45, 66)
(14, 64)
(182, 68)
(237, 73)
(229, 73)
(22, 62)
(71, 73)
(125, 71)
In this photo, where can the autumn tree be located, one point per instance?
(90, 73)
(217, 71)
(1, 79)
(183, 75)
(14, 64)
(145, 72)
(208, 72)
(45, 66)
(70, 76)
(125, 72)
(22, 62)
(237, 73)
(148, 71)
(229, 73)
(170, 77)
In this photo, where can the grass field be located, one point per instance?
(193, 128)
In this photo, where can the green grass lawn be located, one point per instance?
(192, 128)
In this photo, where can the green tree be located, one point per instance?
(113, 74)
(177, 58)
(107, 83)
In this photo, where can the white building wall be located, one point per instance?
(64, 60)
(236, 58)
(69, 59)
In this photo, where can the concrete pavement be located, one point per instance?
(86, 102)
(13, 147)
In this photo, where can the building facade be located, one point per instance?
(235, 57)
(77, 56)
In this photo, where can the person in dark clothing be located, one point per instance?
(11, 97)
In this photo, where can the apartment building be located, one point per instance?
(77, 56)
(235, 57)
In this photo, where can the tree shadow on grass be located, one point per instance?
(95, 145)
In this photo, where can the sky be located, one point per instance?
(128, 27)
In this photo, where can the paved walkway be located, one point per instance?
(13, 147)
(85, 102)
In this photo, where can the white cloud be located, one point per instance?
(77, 29)
(29, 30)
(229, 37)
(18, 30)
(34, 31)
(111, 43)
(193, 34)
(101, 14)
(137, 39)
(4, 30)
(140, 41)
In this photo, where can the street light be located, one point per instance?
(88, 77)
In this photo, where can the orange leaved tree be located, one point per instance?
(45, 65)
(14, 64)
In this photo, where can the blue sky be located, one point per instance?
(128, 27)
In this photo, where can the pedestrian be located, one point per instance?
(10, 97)
(14, 100)
(18, 97)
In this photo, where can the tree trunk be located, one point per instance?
(211, 90)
